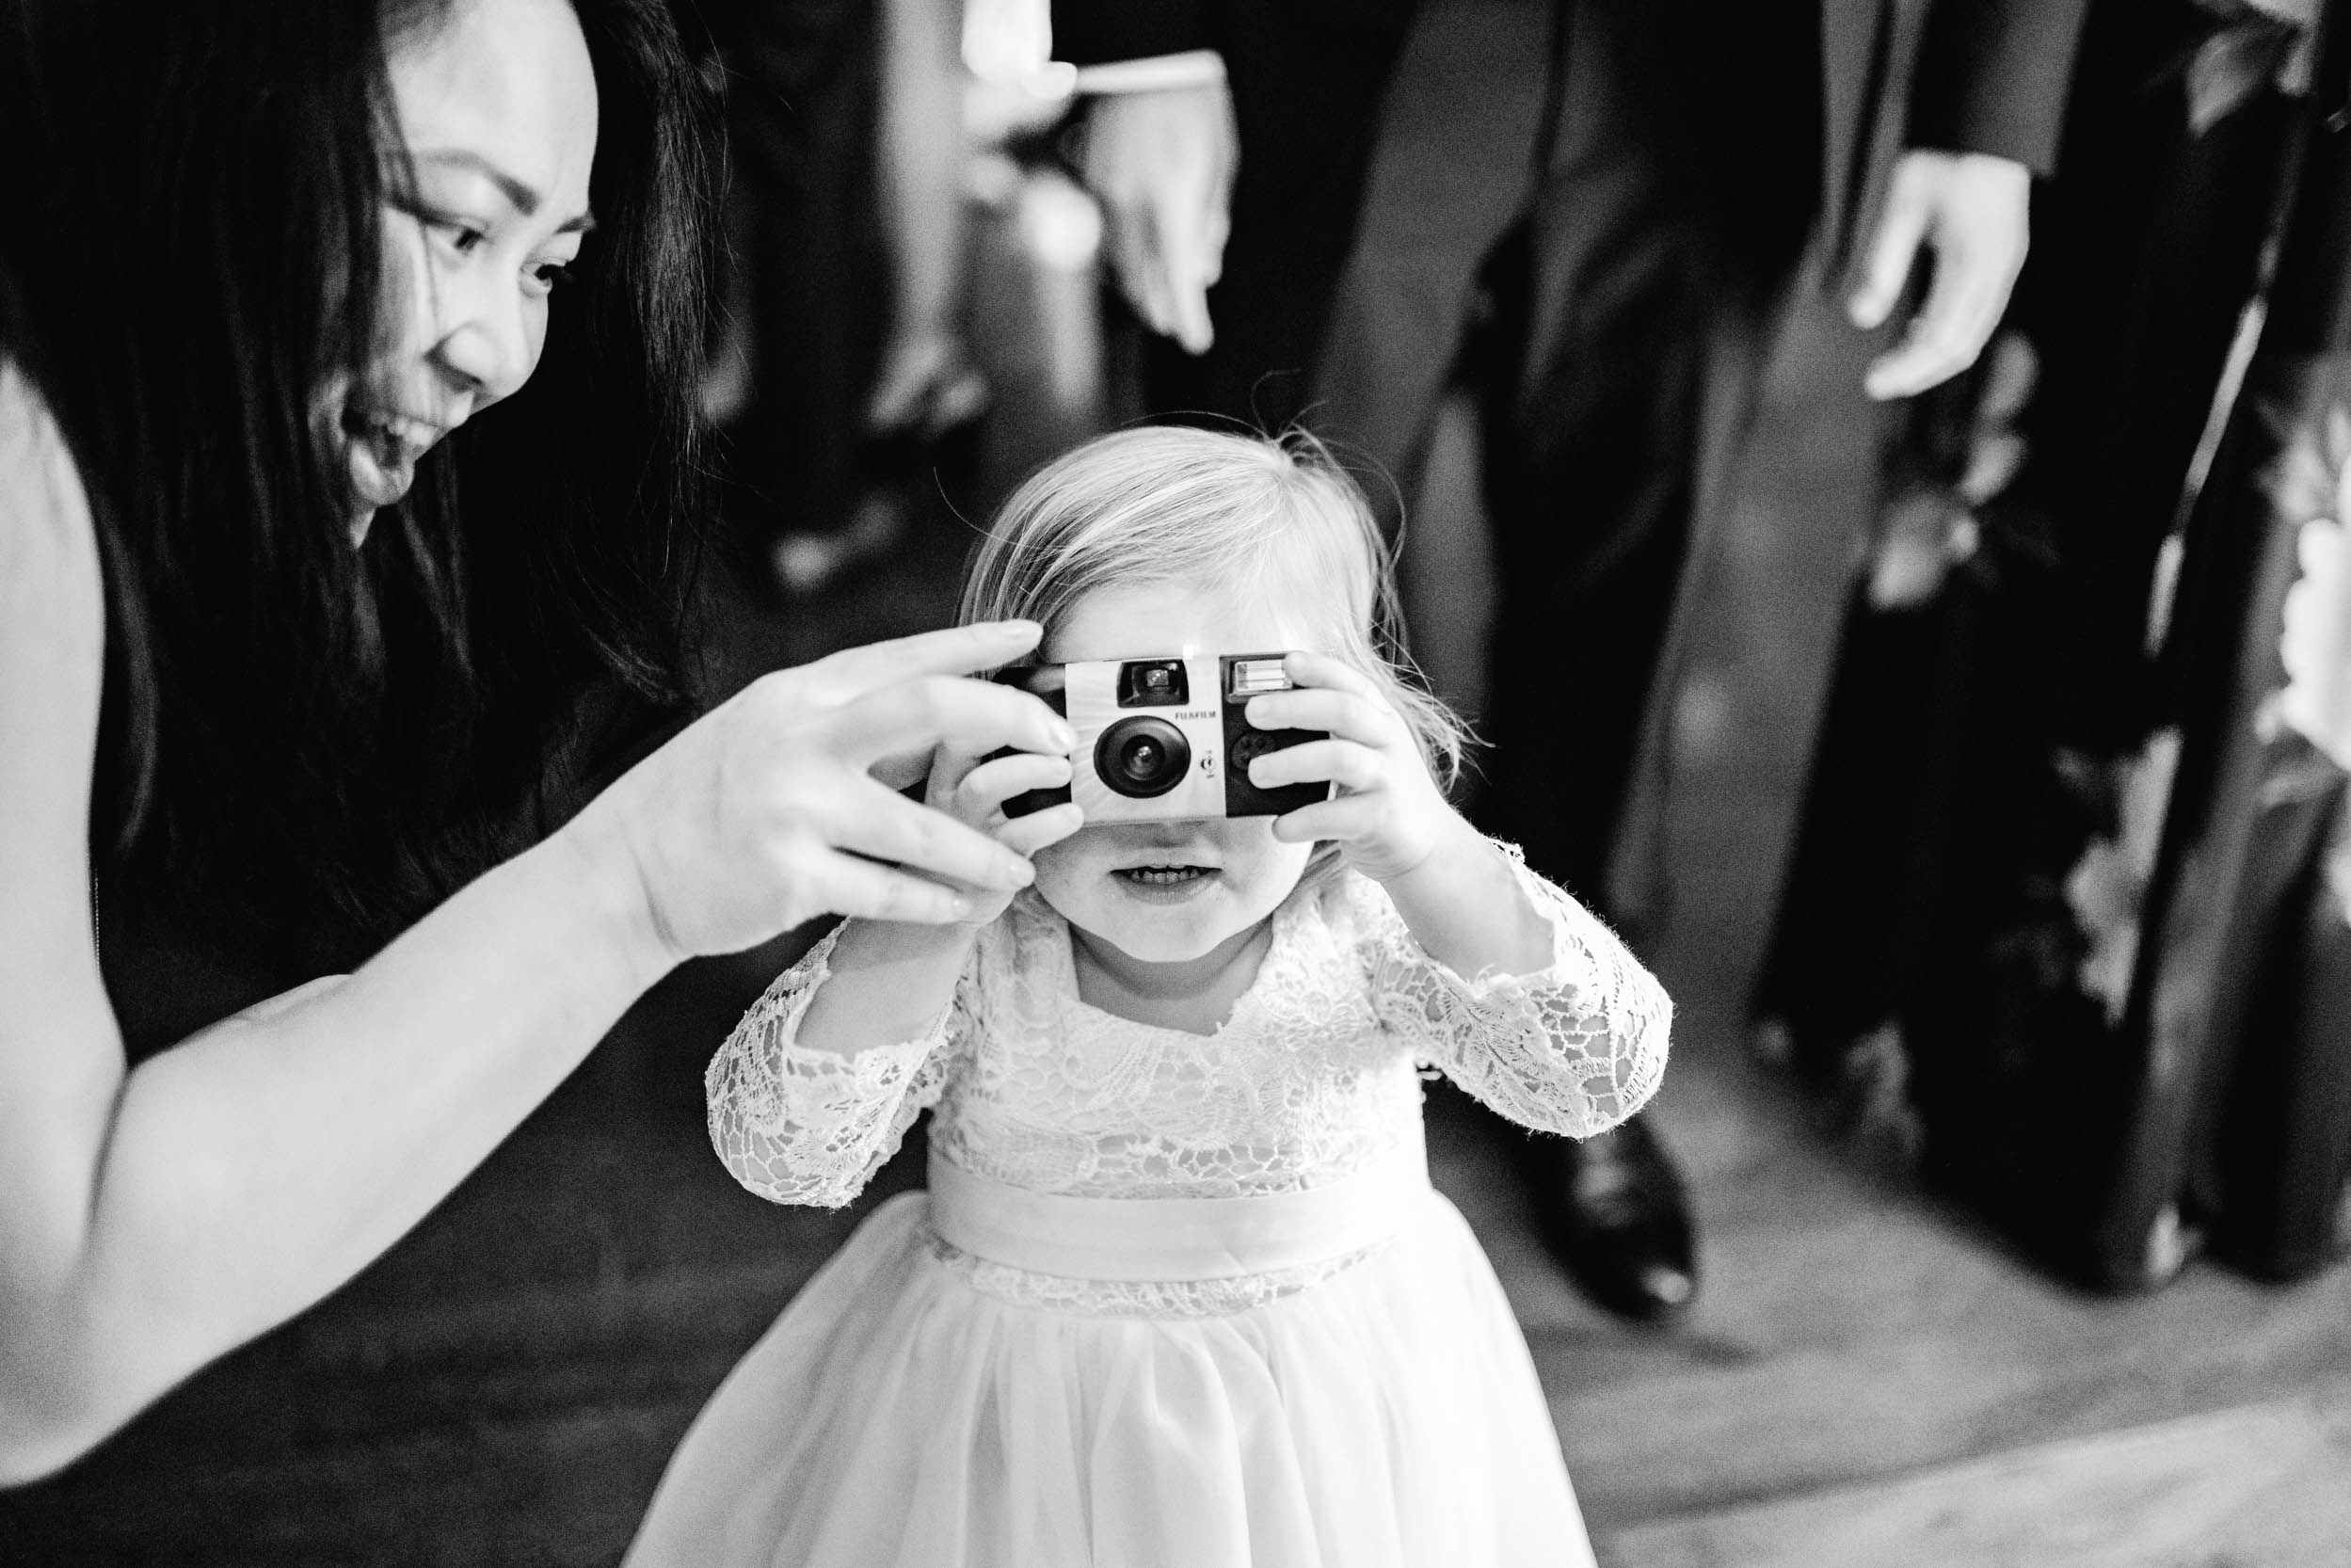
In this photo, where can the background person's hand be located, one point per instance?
(1009, 43)
(1162, 163)
(1971, 211)
(781, 804)
(2315, 637)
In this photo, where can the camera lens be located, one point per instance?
(1140, 757)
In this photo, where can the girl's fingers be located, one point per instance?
(1320, 669)
(947, 770)
(864, 890)
(1344, 818)
(1330, 696)
(992, 783)
(875, 822)
(1347, 763)
(1030, 834)
(1366, 721)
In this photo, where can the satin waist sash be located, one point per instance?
(1155, 1239)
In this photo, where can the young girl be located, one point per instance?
(1179, 1293)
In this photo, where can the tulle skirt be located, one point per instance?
(904, 1413)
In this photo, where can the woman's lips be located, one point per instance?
(380, 455)
(380, 474)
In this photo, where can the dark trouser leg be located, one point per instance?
(1592, 393)
(1593, 414)
(1308, 77)
(801, 107)
(1587, 541)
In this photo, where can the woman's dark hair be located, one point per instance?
(189, 247)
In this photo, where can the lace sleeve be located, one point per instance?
(797, 1124)
(1574, 1047)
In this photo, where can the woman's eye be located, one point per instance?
(462, 239)
(542, 279)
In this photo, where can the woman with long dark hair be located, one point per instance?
(296, 654)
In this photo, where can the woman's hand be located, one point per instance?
(781, 804)
(972, 788)
(888, 979)
(1389, 814)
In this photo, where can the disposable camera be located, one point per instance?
(1165, 740)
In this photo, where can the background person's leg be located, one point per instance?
(803, 80)
(1590, 371)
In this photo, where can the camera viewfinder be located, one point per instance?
(1153, 683)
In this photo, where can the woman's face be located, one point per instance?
(1170, 893)
(497, 110)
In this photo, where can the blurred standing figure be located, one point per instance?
(1227, 144)
(844, 123)
(1601, 182)
(1977, 931)
(803, 325)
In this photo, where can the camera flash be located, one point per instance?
(1253, 676)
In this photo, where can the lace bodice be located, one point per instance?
(1313, 1074)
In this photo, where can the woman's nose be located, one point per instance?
(487, 344)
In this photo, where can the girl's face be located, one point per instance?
(1168, 892)
(498, 111)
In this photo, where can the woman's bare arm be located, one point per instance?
(152, 1220)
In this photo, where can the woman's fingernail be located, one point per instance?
(1064, 736)
(1020, 873)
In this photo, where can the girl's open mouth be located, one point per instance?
(1163, 876)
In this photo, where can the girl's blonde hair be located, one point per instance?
(1245, 513)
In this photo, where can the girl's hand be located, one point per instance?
(780, 805)
(1389, 813)
(972, 788)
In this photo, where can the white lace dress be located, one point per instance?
(1173, 1301)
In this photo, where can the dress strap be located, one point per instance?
(1168, 1240)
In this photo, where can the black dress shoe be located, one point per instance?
(1612, 1211)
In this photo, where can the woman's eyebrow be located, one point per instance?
(519, 193)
